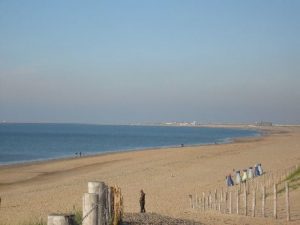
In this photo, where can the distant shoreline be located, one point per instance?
(259, 134)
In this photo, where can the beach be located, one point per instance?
(32, 191)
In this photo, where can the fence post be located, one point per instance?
(99, 188)
(230, 203)
(207, 202)
(226, 198)
(263, 202)
(215, 200)
(109, 203)
(90, 209)
(203, 194)
(191, 201)
(245, 199)
(275, 201)
(237, 201)
(210, 204)
(254, 203)
(219, 203)
(61, 219)
(287, 201)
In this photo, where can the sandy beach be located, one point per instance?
(32, 191)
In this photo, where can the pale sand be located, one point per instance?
(167, 176)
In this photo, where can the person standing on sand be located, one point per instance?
(142, 201)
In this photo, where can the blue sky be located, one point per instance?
(149, 61)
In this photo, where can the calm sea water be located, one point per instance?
(30, 142)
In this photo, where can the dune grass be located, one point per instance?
(293, 180)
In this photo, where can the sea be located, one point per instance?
(26, 142)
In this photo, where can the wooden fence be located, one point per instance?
(261, 196)
(102, 205)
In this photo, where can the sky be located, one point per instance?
(133, 61)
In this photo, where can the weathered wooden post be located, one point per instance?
(61, 219)
(201, 204)
(207, 200)
(99, 188)
(263, 201)
(253, 203)
(219, 203)
(109, 203)
(226, 198)
(230, 203)
(215, 200)
(210, 201)
(287, 201)
(237, 201)
(90, 209)
(275, 201)
(203, 196)
(245, 200)
(191, 201)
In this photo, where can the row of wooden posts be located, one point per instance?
(102, 205)
(240, 196)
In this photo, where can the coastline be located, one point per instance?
(260, 133)
(34, 190)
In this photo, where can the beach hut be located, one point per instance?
(256, 171)
(260, 169)
(238, 177)
(245, 176)
(250, 173)
(229, 180)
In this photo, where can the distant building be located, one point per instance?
(264, 123)
(194, 123)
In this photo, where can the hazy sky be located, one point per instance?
(150, 61)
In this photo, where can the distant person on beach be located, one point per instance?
(142, 201)
(80, 154)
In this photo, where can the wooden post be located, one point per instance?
(110, 203)
(191, 201)
(230, 203)
(215, 200)
(207, 206)
(219, 203)
(226, 202)
(99, 188)
(245, 200)
(203, 194)
(90, 209)
(201, 202)
(263, 202)
(210, 202)
(237, 201)
(254, 203)
(222, 195)
(275, 201)
(287, 201)
(61, 219)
